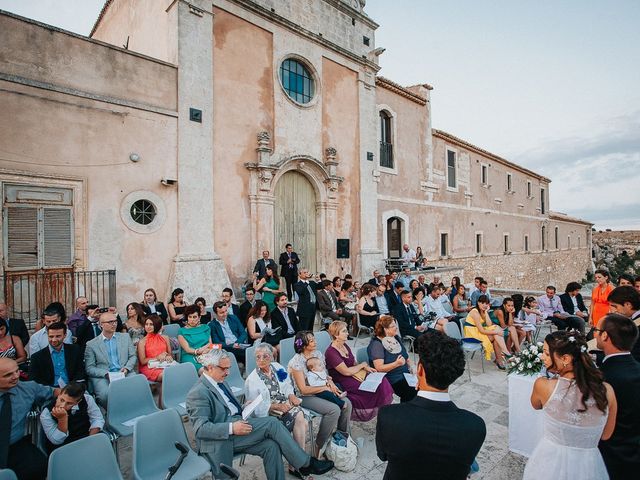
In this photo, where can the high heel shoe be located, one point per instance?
(500, 365)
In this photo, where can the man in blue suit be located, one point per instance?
(227, 330)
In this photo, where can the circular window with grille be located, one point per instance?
(143, 212)
(297, 80)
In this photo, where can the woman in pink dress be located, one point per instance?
(153, 346)
(347, 373)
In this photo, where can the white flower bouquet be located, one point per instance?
(528, 361)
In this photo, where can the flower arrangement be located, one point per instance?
(282, 374)
(528, 361)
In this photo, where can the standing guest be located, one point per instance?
(248, 304)
(39, 339)
(72, 416)
(134, 324)
(615, 335)
(79, 316)
(220, 432)
(381, 300)
(261, 265)
(579, 409)
(478, 325)
(58, 364)
(269, 286)
(153, 346)
(176, 306)
(289, 261)
(344, 370)
(625, 280)
(150, 304)
(374, 280)
(110, 352)
(407, 317)
(367, 307)
(11, 345)
(626, 301)
(259, 324)
(572, 301)
(387, 354)
(227, 296)
(421, 260)
(408, 255)
(306, 290)
(16, 325)
(455, 286)
(599, 303)
(194, 338)
(461, 304)
(227, 331)
(330, 307)
(17, 452)
(506, 317)
(285, 317)
(551, 308)
(430, 433)
(205, 317)
(331, 415)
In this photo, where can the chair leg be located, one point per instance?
(312, 439)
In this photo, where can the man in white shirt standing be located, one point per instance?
(408, 255)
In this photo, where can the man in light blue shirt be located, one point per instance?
(381, 300)
(405, 277)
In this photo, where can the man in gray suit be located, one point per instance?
(109, 352)
(220, 431)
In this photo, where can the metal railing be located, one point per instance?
(386, 155)
(27, 294)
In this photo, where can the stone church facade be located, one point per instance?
(182, 138)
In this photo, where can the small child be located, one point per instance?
(530, 316)
(317, 377)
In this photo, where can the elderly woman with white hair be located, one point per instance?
(271, 381)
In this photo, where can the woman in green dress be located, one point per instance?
(269, 285)
(194, 337)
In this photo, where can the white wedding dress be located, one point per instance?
(568, 449)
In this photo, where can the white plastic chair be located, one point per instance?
(249, 360)
(235, 380)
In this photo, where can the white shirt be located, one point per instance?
(50, 424)
(285, 314)
(409, 255)
(317, 379)
(436, 306)
(231, 406)
(40, 340)
(435, 396)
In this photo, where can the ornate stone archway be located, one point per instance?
(322, 175)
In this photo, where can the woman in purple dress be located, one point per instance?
(348, 374)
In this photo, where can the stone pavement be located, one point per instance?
(485, 395)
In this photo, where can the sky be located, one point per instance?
(552, 85)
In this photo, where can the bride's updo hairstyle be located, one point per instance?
(588, 378)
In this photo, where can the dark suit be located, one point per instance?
(234, 310)
(161, 310)
(621, 453)
(277, 320)
(567, 304)
(427, 439)
(289, 271)
(261, 267)
(217, 335)
(406, 322)
(306, 307)
(327, 309)
(41, 366)
(18, 328)
(392, 299)
(243, 312)
(373, 281)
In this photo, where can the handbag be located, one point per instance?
(342, 451)
(360, 375)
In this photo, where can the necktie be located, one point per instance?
(96, 330)
(291, 264)
(230, 397)
(5, 429)
(333, 304)
(409, 315)
(312, 296)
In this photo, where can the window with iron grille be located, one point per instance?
(297, 81)
(386, 141)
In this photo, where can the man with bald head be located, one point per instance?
(109, 352)
(16, 400)
(79, 316)
(16, 325)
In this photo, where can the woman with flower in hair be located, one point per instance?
(579, 411)
(271, 381)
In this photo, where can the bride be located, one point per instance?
(579, 410)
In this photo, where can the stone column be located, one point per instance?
(197, 267)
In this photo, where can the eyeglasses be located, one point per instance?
(111, 322)
(266, 356)
(224, 369)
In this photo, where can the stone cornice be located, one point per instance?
(400, 90)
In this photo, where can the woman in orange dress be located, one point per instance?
(599, 295)
(153, 346)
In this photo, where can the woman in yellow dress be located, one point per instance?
(479, 326)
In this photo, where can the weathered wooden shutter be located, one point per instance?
(57, 237)
(22, 237)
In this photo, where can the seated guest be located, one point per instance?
(56, 308)
(434, 304)
(220, 432)
(418, 303)
(153, 346)
(90, 329)
(506, 317)
(407, 318)
(347, 293)
(393, 295)
(176, 306)
(11, 345)
(227, 296)
(79, 316)
(134, 325)
(249, 302)
(387, 354)
(529, 317)
(39, 339)
(430, 437)
(344, 370)
(405, 278)
(259, 326)
(332, 416)
(478, 325)
(227, 330)
(626, 301)
(381, 299)
(284, 316)
(461, 304)
(551, 308)
(330, 307)
(317, 376)
(17, 452)
(110, 352)
(205, 317)
(16, 325)
(615, 334)
(625, 280)
(455, 285)
(367, 307)
(58, 364)
(481, 290)
(150, 305)
(337, 285)
(72, 416)
(572, 301)
(270, 380)
(194, 338)
(374, 280)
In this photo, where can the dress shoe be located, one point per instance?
(316, 467)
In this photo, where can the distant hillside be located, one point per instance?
(617, 251)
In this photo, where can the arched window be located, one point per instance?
(386, 140)
(297, 81)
